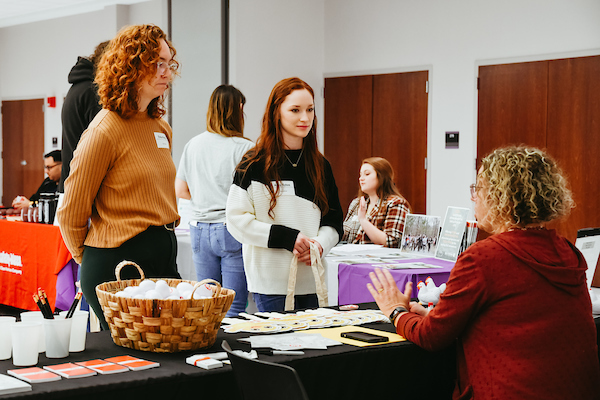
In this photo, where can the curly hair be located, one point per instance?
(385, 177)
(225, 114)
(129, 59)
(525, 187)
(97, 56)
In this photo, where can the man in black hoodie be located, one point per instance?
(80, 107)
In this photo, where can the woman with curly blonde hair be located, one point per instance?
(516, 304)
(122, 173)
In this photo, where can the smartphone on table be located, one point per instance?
(364, 337)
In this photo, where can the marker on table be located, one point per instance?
(280, 352)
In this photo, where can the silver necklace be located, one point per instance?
(297, 161)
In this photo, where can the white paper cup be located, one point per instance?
(25, 337)
(78, 329)
(36, 316)
(58, 336)
(5, 337)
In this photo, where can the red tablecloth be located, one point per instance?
(31, 256)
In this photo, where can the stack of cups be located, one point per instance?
(36, 316)
(24, 334)
(6, 337)
(35, 334)
(78, 330)
(58, 336)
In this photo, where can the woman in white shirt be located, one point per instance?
(204, 177)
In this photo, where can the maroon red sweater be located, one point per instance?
(517, 304)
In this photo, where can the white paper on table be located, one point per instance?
(353, 249)
(590, 248)
(291, 341)
(417, 265)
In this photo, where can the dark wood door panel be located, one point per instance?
(400, 131)
(574, 135)
(33, 145)
(348, 130)
(22, 148)
(512, 106)
(12, 149)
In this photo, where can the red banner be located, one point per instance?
(31, 255)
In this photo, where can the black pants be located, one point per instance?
(154, 250)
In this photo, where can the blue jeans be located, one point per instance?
(217, 255)
(276, 302)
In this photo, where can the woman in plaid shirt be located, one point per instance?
(377, 215)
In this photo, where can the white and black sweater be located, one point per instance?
(268, 242)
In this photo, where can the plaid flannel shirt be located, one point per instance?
(388, 216)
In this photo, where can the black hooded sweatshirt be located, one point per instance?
(80, 107)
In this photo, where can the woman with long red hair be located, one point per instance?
(283, 198)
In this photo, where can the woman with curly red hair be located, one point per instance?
(122, 173)
(283, 198)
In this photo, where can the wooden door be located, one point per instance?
(574, 135)
(348, 130)
(553, 105)
(512, 106)
(22, 148)
(400, 131)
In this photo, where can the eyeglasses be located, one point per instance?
(49, 167)
(474, 189)
(162, 66)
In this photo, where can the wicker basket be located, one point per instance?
(162, 326)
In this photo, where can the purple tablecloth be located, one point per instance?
(353, 278)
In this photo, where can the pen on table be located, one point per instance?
(73, 305)
(280, 352)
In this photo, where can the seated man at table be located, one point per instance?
(52, 165)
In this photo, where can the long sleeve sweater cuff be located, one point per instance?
(282, 237)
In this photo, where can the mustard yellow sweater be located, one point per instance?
(122, 177)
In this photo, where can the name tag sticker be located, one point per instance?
(286, 188)
(161, 140)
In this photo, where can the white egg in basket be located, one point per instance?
(184, 287)
(163, 288)
(146, 285)
(153, 294)
(130, 289)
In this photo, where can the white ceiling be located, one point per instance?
(16, 12)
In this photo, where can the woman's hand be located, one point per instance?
(417, 308)
(362, 209)
(302, 248)
(386, 292)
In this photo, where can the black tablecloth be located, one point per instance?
(345, 371)
(340, 372)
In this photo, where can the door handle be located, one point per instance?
(24, 162)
